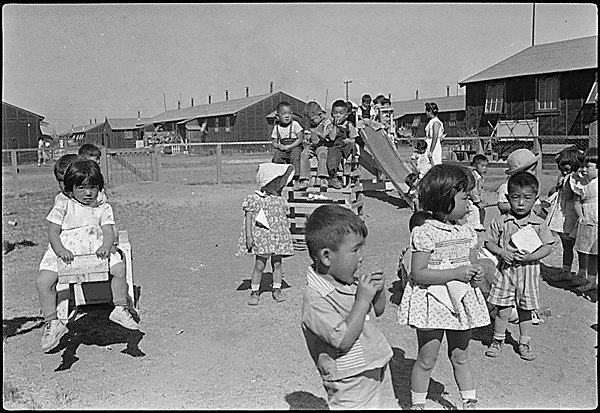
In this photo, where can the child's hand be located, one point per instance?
(366, 288)
(277, 145)
(507, 256)
(65, 255)
(378, 279)
(103, 252)
(560, 181)
(113, 249)
(465, 273)
(520, 257)
(478, 277)
(249, 243)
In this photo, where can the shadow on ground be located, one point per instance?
(91, 327)
(385, 197)
(20, 325)
(266, 283)
(303, 400)
(548, 275)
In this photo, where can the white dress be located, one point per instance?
(437, 151)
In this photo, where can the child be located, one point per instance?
(365, 112)
(411, 181)
(479, 165)
(518, 279)
(340, 140)
(315, 148)
(78, 225)
(442, 296)
(586, 207)
(518, 160)
(60, 167)
(419, 159)
(416, 220)
(287, 139)
(266, 232)
(340, 310)
(562, 218)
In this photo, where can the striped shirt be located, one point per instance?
(325, 309)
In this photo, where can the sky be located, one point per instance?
(73, 63)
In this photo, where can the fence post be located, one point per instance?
(104, 164)
(219, 164)
(537, 149)
(479, 146)
(156, 164)
(15, 171)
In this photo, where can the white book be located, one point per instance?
(526, 240)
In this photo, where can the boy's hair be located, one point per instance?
(417, 219)
(440, 185)
(312, 108)
(366, 97)
(386, 101)
(328, 225)
(591, 156)
(411, 179)
(83, 172)
(89, 150)
(339, 104)
(570, 156)
(282, 105)
(479, 158)
(60, 167)
(421, 144)
(431, 107)
(378, 99)
(523, 180)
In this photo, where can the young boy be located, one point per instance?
(519, 268)
(340, 140)
(411, 181)
(315, 147)
(479, 165)
(517, 161)
(419, 159)
(340, 310)
(365, 112)
(287, 139)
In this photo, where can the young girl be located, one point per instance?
(78, 225)
(586, 208)
(562, 219)
(266, 232)
(442, 295)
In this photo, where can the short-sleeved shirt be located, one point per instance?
(476, 193)
(324, 312)
(504, 226)
(343, 131)
(286, 135)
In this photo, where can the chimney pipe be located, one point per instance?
(226, 94)
(138, 114)
(271, 88)
(192, 102)
(390, 96)
(247, 91)
(209, 99)
(417, 94)
(95, 121)
(179, 104)
(90, 121)
(447, 90)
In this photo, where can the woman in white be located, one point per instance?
(434, 132)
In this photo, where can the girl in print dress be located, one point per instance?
(266, 231)
(442, 295)
(586, 207)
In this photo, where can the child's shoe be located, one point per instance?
(526, 352)
(494, 349)
(278, 295)
(122, 316)
(564, 275)
(335, 183)
(535, 318)
(53, 332)
(418, 406)
(578, 281)
(470, 404)
(253, 298)
(324, 183)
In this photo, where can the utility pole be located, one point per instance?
(533, 26)
(347, 82)
(165, 101)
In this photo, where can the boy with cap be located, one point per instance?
(518, 160)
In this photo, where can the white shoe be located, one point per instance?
(53, 332)
(122, 316)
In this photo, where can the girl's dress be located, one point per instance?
(436, 152)
(81, 229)
(587, 232)
(562, 217)
(276, 239)
(450, 246)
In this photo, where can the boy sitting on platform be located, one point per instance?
(340, 140)
(315, 146)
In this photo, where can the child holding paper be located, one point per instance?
(520, 239)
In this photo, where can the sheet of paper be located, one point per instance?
(526, 240)
(261, 219)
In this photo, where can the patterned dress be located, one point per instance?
(449, 246)
(562, 217)
(276, 239)
(587, 233)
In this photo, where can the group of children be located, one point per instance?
(448, 273)
(329, 139)
(81, 221)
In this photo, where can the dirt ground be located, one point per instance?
(200, 345)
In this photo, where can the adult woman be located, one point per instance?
(434, 131)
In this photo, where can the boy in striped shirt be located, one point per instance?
(520, 268)
(340, 310)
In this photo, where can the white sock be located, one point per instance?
(276, 285)
(468, 395)
(255, 287)
(418, 398)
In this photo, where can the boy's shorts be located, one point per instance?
(363, 391)
(517, 285)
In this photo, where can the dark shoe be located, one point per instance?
(578, 281)
(418, 406)
(526, 352)
(335, 183)
(302, 185)
(470, 404)
(494, 349)
(253, 298)
(278, 295)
